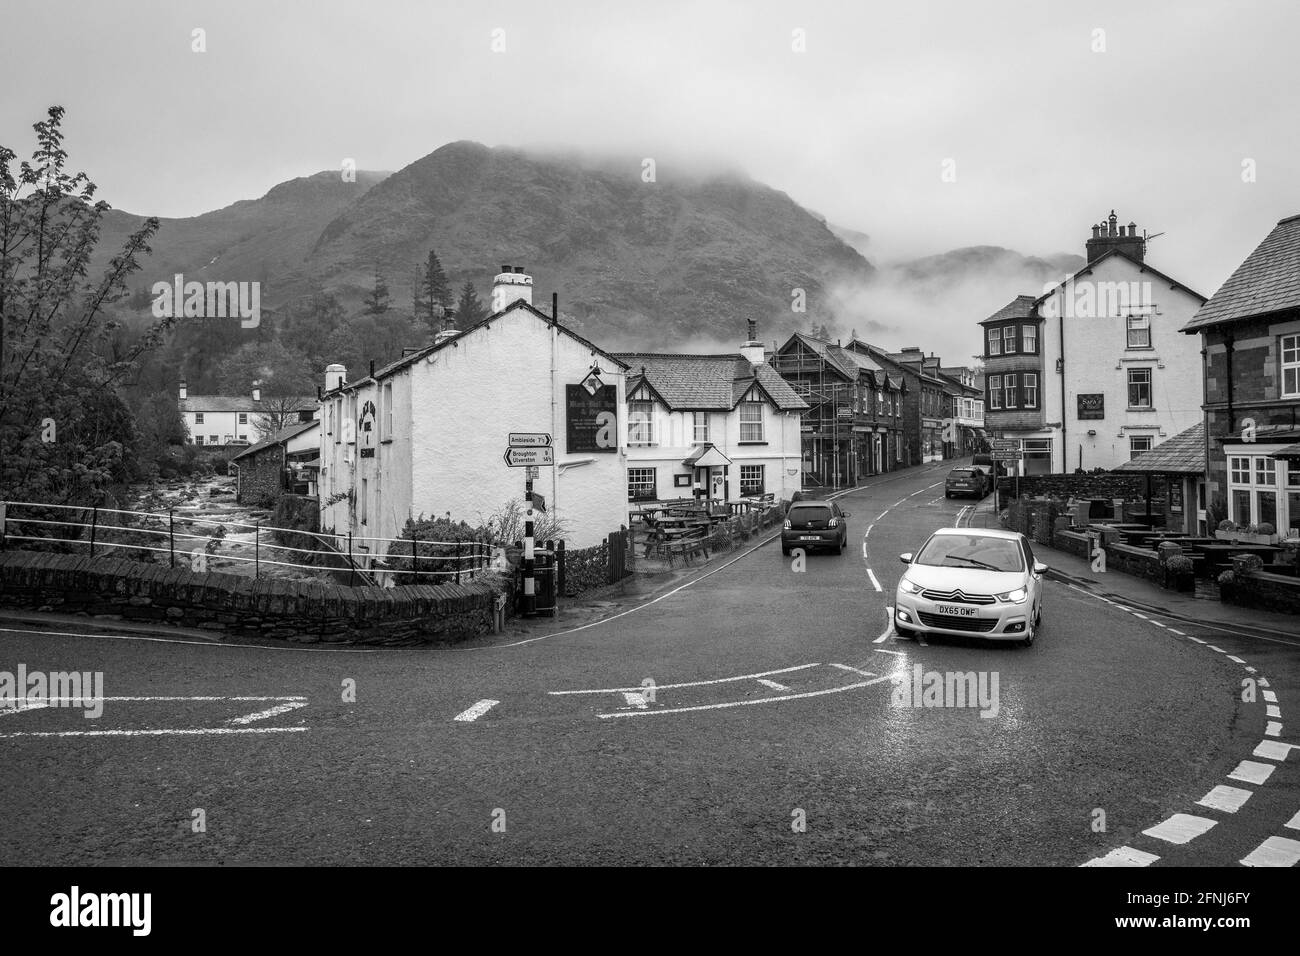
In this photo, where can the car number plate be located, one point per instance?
(956, 610)
(810, 537)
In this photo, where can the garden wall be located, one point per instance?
(242, 606)
(1103, 485)
(1270, 592)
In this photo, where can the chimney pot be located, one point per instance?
(185, 389)
(505, 268)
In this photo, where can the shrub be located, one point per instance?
(1265, 528)
(1244, 563)
(1226, 579)
(1226, 525)
(437, 544)
(1179, 564)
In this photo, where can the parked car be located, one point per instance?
(813, 524)
(966, 481)
(971, 581)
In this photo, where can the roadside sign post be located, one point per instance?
(1004, 449)
(529, 450)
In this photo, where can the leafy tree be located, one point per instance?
(377, 298)
(65, 434)
(469, 310)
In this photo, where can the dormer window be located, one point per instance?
(1009, 340)
(751, 421)
(640, 423)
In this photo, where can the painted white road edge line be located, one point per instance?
(270, 712)
(477, 711)
(881, 650)
(22, 705)
(874, 583)
(694, 683)
(1227, 799)
(744, 703)
(194, 732)
(82, 700)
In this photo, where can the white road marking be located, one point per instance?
(1196, 639)
(1275, 851)
(744, 703)
(1180, 828)
(86, 700)
(636, 700)
(694, 683)
(867, 533)
(1274, 728)
(897, 503)
(477, 711)
(1236, 660)
(882, 514)
(271, 712)
(1293, 823)
(881, 650)
(1174, 630)
(772, 684)
(1158, 624)
(23, 704)
(846, 667)
(1227, 799)
(1124, 856)
(1262, 682)
(1272, 710)
(874, 583)
(197, 731)
(889, 628)
(1272, 750)
(1143, 616)
(1252, 670)
(864, 549)
(1252, 771)
(1270, 696)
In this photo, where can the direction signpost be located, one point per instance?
(530, 450)
(1004, 449)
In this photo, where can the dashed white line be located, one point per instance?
(1270, 696)
(881, 650)
(1275, 851)
(1293, 823)
(1227, 799)
(1124, 856)
(772, 684)
(1181, 828)
(882, 514)
(1272, 710)
(1252, 771)
(1235, 660)
(1272, 750)
(1274, 728)
(476, 711)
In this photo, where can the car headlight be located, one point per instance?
(1013, 597)
(909, 587)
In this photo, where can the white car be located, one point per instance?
(974, 581)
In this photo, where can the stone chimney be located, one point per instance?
(510, 285)
(1110, 236)
(336, 376)
(185, 390)
(752, 350)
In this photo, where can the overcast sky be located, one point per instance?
(1046, 134)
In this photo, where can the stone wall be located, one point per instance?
(261, 477)
(235, 605)
(1109, 484)
(1270, 592)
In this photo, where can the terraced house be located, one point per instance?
(1250, 336)
(853, 426)
(710, 426)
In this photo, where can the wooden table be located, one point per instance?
(1226, 549)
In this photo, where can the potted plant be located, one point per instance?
(1178, 570)
(1262, 533)
(1227, 586)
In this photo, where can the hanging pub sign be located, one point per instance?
(366, 430)
(1092, 405)
(591, 418)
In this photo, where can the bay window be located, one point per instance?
(995, 391)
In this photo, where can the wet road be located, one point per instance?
(745, 716)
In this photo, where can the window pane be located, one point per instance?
(1009, 339)
(1241, 507)
(995, 342)
(1267, 508)
(1031, 338)
(1264, 471)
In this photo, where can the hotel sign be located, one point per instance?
(591, 418)
(1091, 406)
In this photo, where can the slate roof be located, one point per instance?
(241, 403)
(1268, 281)
(279, 438)
(833, 354)
(1184, 454)
(1021, 307)
(706, 382)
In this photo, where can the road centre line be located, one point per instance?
(744, 703)
(476, 711)
(192, 732)
(696, 683)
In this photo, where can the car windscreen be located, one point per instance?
(802, 514)
(960, 473)
(972, 551)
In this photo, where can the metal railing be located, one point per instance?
(451, 560)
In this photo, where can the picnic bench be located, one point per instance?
(686, 548)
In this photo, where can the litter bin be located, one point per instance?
(543, 582)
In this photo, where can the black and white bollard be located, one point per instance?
(530, 585)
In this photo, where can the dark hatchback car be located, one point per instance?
(813, 524)
(966, 481)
